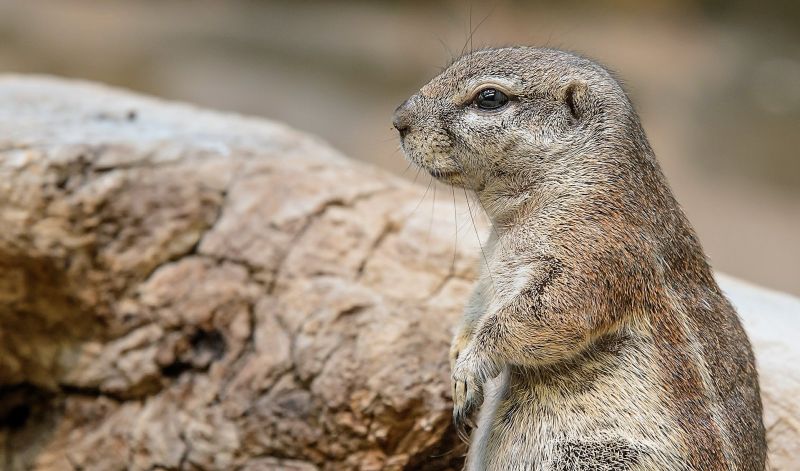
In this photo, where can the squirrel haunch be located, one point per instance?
(596, 307)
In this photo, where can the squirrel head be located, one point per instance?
(518, 114)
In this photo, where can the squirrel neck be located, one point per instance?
(509, 201)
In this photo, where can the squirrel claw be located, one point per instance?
(464, 423)
(467, 399)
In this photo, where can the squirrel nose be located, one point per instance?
(402, 119)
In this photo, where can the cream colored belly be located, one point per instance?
(615, 423)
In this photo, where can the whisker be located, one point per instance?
(475, 30)
(455, 224)
(421, 200)
(417, 175)
(478, 201)
(474, 226)
(471, 31)
(485, 260)
(406, 170)
(445, 47)
(464, 48)
(433, 210)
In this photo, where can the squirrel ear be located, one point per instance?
(576, 96)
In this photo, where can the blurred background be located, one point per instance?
(717, 82)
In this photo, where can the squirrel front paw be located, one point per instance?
(469, 375)
(458, 345)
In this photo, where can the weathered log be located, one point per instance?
(183, 289)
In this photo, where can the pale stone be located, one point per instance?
(772, 321)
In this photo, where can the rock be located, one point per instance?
(772, 321)
(182, 289)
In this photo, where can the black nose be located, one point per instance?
(402, 119)
(402, 127)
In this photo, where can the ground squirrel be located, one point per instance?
(595, 306)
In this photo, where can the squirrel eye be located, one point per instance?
(490, 99)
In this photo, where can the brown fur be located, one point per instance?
(596, 303)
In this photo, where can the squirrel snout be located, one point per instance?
(402, 118)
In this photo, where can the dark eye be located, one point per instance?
(490, 99)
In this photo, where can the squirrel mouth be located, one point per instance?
(442, 174)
